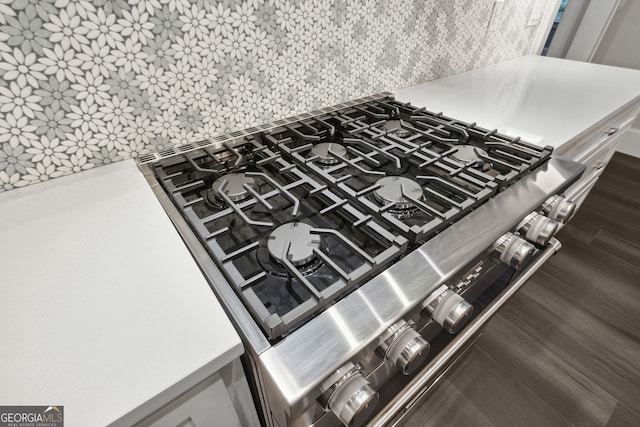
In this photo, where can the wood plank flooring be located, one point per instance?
(566, 349)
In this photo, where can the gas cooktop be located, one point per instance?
(298, 215)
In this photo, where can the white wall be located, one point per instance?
(567, 28)
(620, 46)
(185, 75)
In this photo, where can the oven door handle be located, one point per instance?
(419, 385)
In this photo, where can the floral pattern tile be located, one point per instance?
(88, 83)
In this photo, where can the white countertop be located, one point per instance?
(103, 309)
(546, 101)
(101, 305)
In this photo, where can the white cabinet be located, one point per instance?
(594, 150)
(223, 399)
(209, 404)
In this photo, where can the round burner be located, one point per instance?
(392, 188)
(395, 127)
(234, 188)
(324, 152)
(297, 238)
(470, 155)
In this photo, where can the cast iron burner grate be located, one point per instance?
(298, 216)
(457, 165)
(288, 244)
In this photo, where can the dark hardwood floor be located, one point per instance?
(566, 349)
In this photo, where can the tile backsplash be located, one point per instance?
(87, 83)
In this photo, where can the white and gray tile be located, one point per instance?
(86, 83)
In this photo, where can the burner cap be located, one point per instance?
(395, 127)
(469, 155)
(234, 188)
(324, 156)
(297, 236)
(392, 189)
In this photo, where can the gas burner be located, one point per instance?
(394, 189)
(395, 127)
(324, 152)
(294, 241)
(470, 155)
(233, 186)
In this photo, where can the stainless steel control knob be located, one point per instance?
(537, 228)
(354, 402)
(513, 250)
(349, 395)
(448, 309)
(559, 209)
(405, 347)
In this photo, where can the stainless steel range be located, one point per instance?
(347, 243)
